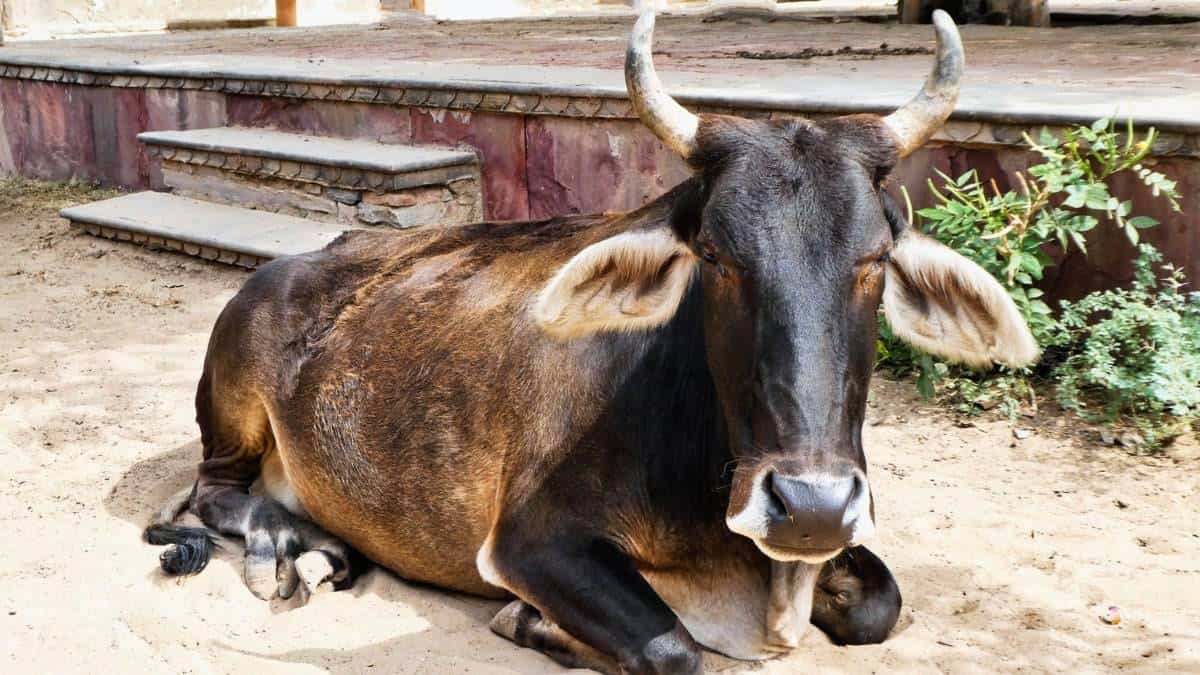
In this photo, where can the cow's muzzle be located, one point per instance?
(807, 517)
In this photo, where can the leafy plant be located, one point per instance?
(1134, 353)
(1008, 233)
(1012, 234)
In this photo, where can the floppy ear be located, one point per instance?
(942, 303)
(631, 281)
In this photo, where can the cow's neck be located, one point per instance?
(667, 413)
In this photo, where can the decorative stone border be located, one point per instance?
(206, 252)
(591, 105)
(428, 97)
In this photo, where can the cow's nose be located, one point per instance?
(813, 512)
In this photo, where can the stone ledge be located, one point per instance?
(213, 231)
(970, 124)
(339, 171)
(329, 176)
(356, 154)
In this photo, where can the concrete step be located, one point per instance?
(211, 231)
(334, 180)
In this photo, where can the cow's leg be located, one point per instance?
(236, 435)
(857, 600)
(282, 549)
(612, 619)
(524, 624)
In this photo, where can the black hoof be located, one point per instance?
(189, 551)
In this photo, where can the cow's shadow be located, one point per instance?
(144, 487)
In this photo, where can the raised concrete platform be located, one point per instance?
(211, 231)
(349, 181)
(1015, 75)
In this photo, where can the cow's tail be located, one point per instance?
(188, 548)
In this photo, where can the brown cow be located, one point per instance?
(645, 426)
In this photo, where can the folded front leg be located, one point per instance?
(593, 608)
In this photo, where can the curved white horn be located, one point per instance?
(673, 125)
(921, 117)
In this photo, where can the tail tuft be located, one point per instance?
(189, 550)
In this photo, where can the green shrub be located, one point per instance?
(1134, 353)
(1009, 234)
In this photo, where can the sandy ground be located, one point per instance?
(1001, 547)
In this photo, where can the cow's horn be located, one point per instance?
(921, 117)
(674, 125)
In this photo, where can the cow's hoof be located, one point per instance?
(317, 572)
(282, 560)
(514, 620)
(269, 565)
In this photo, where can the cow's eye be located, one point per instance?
(880, 175)
(876, 260)
(708, 253)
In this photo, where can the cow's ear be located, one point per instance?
(942, 303)
(631, 281)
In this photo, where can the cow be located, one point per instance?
(644, 429)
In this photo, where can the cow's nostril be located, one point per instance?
(777, 508)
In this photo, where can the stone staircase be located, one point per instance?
(245, 195)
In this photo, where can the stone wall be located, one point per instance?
(291, 193)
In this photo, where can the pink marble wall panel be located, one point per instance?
(583, 166)
(117, 117)
(1110, 255)
(59, 133)
(386, 124)
(500, 141)
(14, 115)
(172, 109)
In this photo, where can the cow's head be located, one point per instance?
(795, 244)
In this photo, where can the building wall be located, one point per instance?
(40, 19)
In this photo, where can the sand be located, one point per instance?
(1001, 547)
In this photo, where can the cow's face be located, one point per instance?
(795, 245)
(794, 240)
